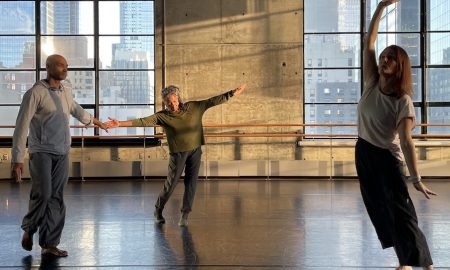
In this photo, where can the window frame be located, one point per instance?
(424, 104)
(96, 68)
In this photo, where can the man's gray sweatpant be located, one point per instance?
(189, 161)
(47, 212)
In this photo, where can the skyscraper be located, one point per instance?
(60, 17)
(17, 19)
(133, 51)
(331, 81)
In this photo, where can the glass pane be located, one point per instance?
(126, 17)
(409, 42)
(122, 87)
(418, 129)
(335, 16)
(67, 17)
(13, 84)
(417, 84)
(17, 17)
(17, 52)
(438, 49)
(437, 14)
(404, 16)
(8, 116)
(78, 50)
(127, 113)
(332, 86)
(438, 85)
(81, 131)
(332, 50)
(127, 52)
(331, 114)
(83, 85)
(438, 115)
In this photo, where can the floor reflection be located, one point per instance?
(168, 247)
(191, 258)
(46, 263)
(234, 225)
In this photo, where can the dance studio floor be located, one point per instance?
(258, 224)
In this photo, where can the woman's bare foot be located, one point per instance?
(403, 267)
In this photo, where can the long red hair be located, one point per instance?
(402, 84)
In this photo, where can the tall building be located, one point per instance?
(63, 18)
(58, 21)
(17, 19)
(60, 17)
(133, 52)
(438, 82)
(332, 86)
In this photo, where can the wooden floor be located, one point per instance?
(259, 224)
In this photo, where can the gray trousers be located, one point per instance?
(47, 212)
(188, 161)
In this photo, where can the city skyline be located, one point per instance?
(332, 76)
(66, 35)
(332, 59)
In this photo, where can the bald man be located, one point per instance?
(44, 116)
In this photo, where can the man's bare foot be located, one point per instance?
(54, 251)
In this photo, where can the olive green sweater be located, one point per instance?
(184, 129)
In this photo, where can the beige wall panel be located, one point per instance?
(282, 151)
(230, 152)
(344, 168)
(193, 21)
(154, 168)
(262, 21)
(299, 168)
(253, 168)
(269, 68)
(254, 152)
(315, 153)
(434, 167)
(195, 69)
(212, 152)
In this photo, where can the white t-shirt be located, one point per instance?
(379, 116)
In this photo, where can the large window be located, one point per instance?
(109, 46)
(332, 61)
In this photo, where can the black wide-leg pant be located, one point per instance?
(385, 194)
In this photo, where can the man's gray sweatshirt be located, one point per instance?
(44, 113)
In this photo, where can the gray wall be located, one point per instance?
(210, 46)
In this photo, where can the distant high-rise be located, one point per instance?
(60, 17)
(133, 51)
(135, 19)
(17, 18)
(331, 84)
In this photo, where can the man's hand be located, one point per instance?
(17, 171)
(112, 123)
(240, 89)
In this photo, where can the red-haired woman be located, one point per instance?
(385, 121)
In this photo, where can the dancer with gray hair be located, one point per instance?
(182, 123)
